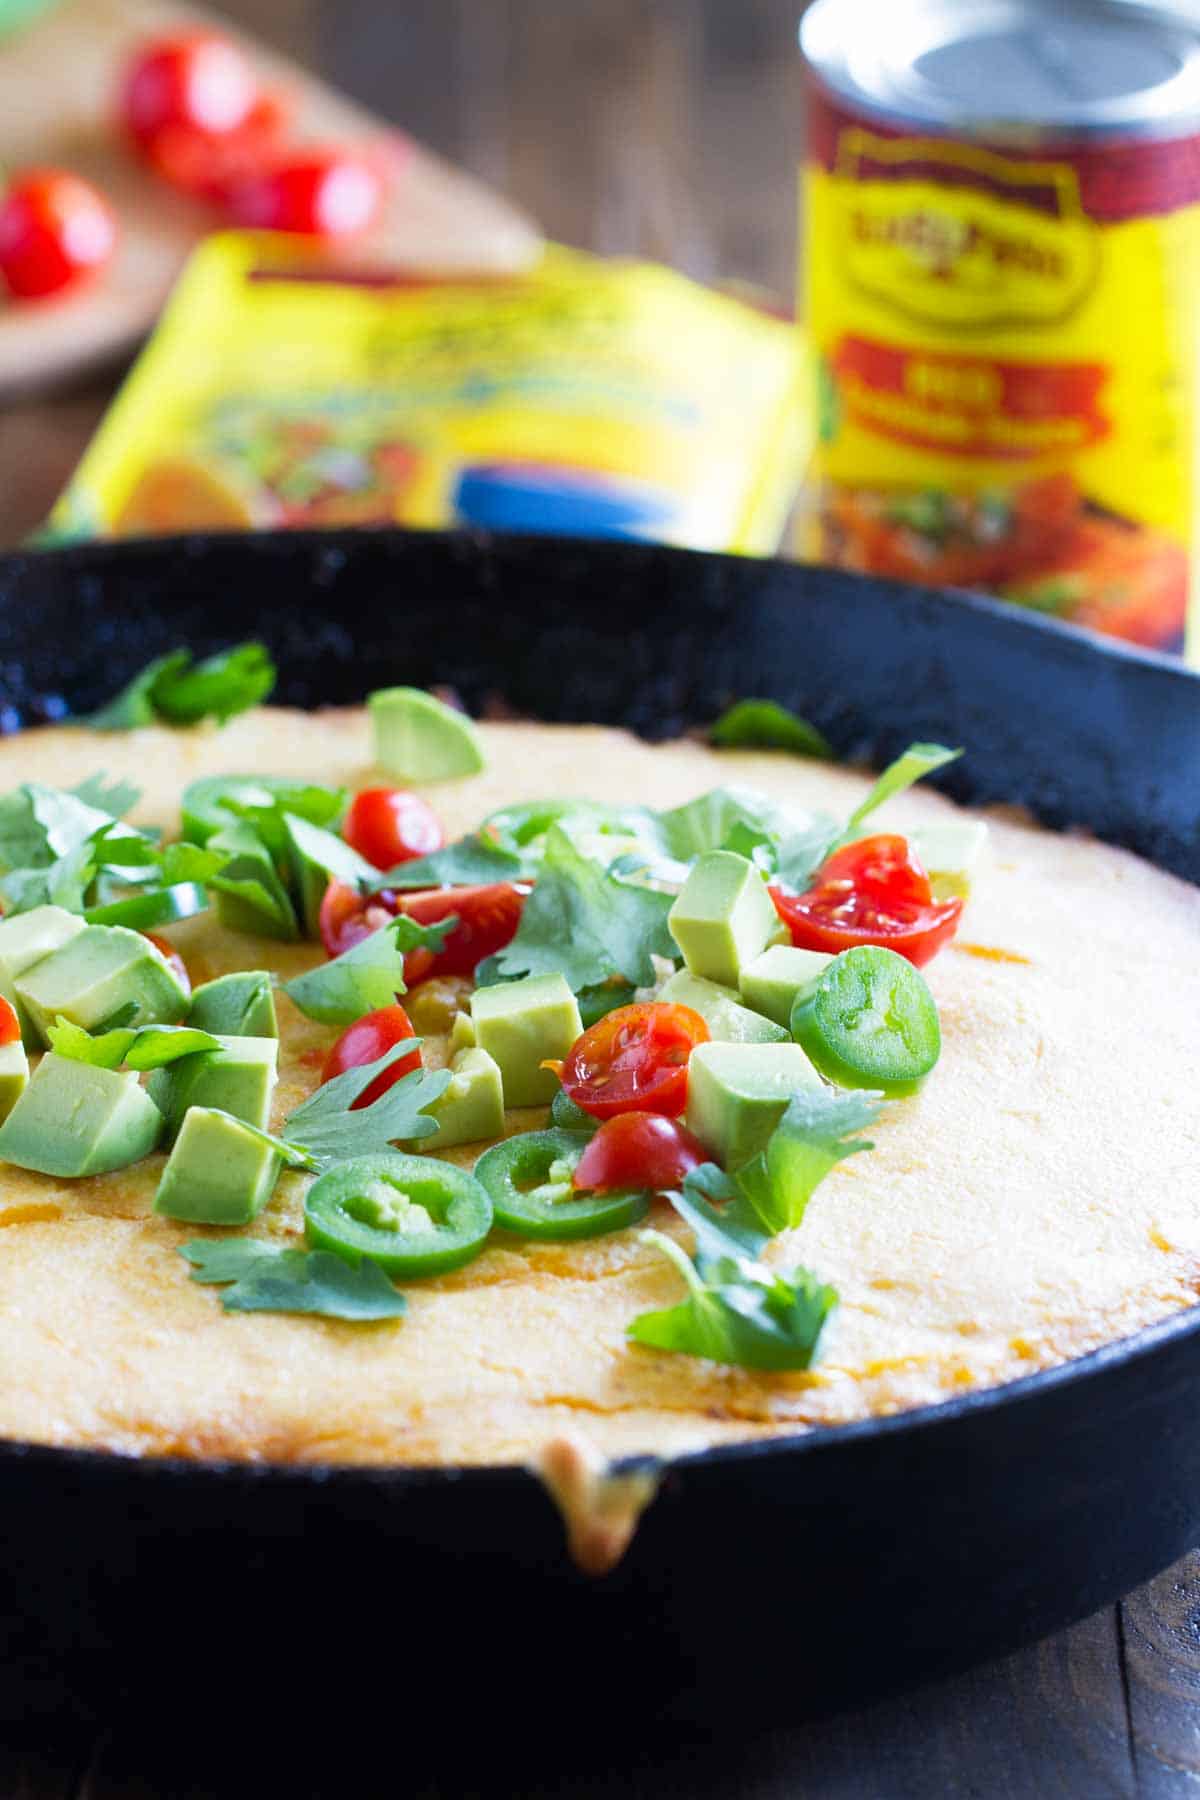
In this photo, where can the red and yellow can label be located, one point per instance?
(1005, 366)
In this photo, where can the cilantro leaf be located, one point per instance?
(368, 975)
(917, 761)
(148, 1047)
(722, 1218)
(230, 682)
(104, 1050)
(766, 725)
(134, 705)
(584, 922)
(326, 1129)
(471, 861)
(706, 823)
(64, 883)
(260, 1277)
(115, 798)
(177, 691)
(737, 1311)
(817, 1132)
(769, 1193)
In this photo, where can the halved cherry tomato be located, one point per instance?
(872, 892)
(319, 191)
(390, 826)
(55, 231)
(638, 1150)
(366, 1041)
(174, 961)
(634, 1060)
(197, 80)
(10, 1025)
(487, 920)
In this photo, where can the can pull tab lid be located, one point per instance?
(1079, 66)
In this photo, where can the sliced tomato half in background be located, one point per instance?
(872, 892)
(634, 1059)
(488, 917)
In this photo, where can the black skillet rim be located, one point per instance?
(1131, 1348)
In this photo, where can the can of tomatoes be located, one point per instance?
(1002, 212)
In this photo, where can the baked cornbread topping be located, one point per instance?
(1023, 1200)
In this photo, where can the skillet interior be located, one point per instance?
(905, 1512)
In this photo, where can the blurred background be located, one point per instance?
(666, 128)
(359, 210)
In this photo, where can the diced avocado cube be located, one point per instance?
(315, 857)
(250, 895)
(418, 738)
(462, 1033)
(522, 1024)
(240, 1005)
(219, 1172)
(737, 1094)
(96, 974)
(771, 982)
(239, 1078)
(721, 1009)
(26, 939)
(76, 1119)
(14, 1075)
(723, 917)
(951, 855)
(472, 1107)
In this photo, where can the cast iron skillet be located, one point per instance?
(765, 1582)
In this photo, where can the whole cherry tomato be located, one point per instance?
(318, 191)
(872, 892)
(55, 231)
(366, 1041)
(634, 1059)
(487, 920)
(639, 1150)
(390, 826)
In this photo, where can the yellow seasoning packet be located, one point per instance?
(613, 399)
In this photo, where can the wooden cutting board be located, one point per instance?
(57, 84)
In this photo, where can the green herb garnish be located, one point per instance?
(472, 861)
(325, 1131)
(258, 1277)
(765, 725)
(368, 975)
(585, 923)
(176, 691)
(737, 1310)
(917, 761)
(818, 1131)
(146, 1047)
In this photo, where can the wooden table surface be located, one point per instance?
(668, 128)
